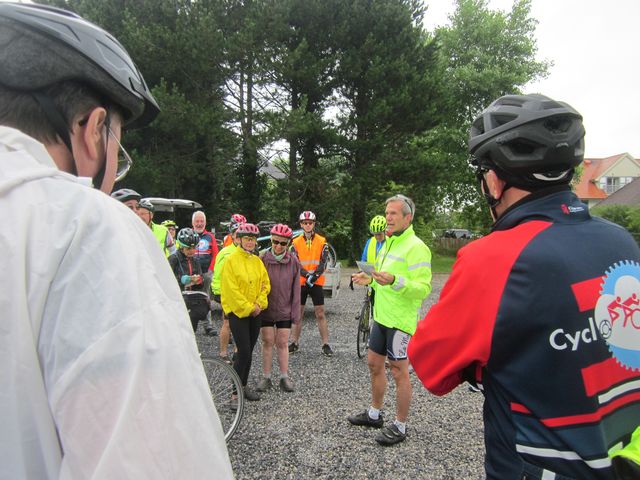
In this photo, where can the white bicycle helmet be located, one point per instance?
(308, 215)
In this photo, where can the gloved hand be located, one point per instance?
(311, 279)
(185, 279)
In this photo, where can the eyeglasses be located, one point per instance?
(480, 171)
(276, 242)
(124, 159)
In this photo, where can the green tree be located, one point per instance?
(387, 86)
(484, 54)
(178, 46)
(303, 62)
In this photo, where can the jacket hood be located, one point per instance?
(558, 205)
(270, 259)
(27, 168)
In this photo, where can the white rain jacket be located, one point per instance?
(100, 376)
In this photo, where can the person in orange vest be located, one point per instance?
(313, 253)
(236, 219)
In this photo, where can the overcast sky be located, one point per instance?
(594, 47)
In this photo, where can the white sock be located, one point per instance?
(374, 413)
(401, 426)
(283, 375)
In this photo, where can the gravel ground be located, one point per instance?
(305, 434)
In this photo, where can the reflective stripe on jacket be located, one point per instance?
(309, 254)
(244, 284)
(409, 259)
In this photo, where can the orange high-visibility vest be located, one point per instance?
(309, 254)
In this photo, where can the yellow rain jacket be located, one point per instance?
(244, 284)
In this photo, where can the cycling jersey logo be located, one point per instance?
(569, 209)
(203, 245)
(617, 313)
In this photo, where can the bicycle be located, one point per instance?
(225, 384)
(364, 324)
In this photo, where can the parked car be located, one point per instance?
(458, 233)
(170, 204)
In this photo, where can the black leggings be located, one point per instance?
(245, 334)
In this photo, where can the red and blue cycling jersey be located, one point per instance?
(206, 251)
(544, 313)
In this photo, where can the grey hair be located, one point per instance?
(408, 207)
(193, 217)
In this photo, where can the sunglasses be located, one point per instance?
(276, 242)
(307, 223)
(480, 172)
(404, 199)
(251, 239)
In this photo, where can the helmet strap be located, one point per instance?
(492, 201)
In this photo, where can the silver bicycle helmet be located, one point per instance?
(125, 194)
(146, 204)
(42, 45)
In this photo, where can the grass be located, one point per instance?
(441, 263)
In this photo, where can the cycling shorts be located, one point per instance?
(264, 322)
(316, 292)
(388, 341)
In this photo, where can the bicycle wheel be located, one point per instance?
(225, 382)
(363, 328)
(332, 259)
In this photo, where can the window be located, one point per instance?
(612, 184)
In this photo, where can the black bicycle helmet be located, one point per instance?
(125, 194)
(42, 45)
(187, 238)
(530, 140)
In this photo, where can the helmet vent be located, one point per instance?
(511, 101)
(558, 125)
(522, 147)
(551, 105)
(502, 119)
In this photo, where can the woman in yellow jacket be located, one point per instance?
(244, 288)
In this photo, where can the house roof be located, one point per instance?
(272, 171)
(594, 168)
(627, 195)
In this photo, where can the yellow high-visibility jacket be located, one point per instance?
(244, 284)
